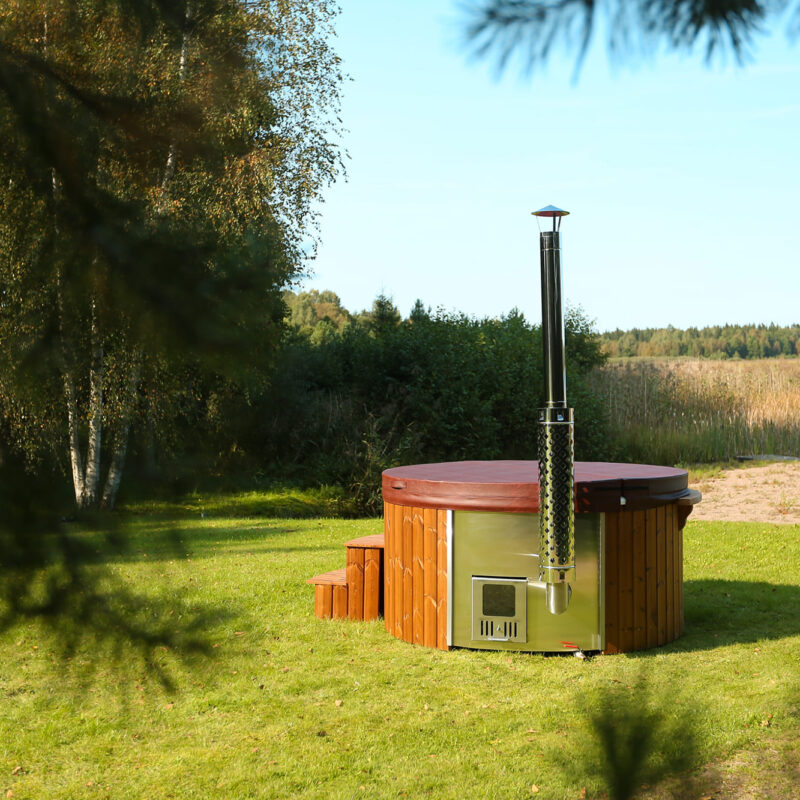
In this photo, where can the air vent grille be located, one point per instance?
(499, 609)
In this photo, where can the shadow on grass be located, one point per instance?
(55, 575)
(722, 612)
(635, 741)
(275, 504)
(179, 541)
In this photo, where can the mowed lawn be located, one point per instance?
(286, 705)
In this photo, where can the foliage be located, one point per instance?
(159, 167)
(530, 29)
(315, 313)
(158, 171)
(717, 341)
(410, 719)
(436, 387)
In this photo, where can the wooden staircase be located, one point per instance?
(355, 592)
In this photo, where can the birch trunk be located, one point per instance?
(70, 394)
(121, 437)
(172, 155)
(92, 472)
(74, 436)
(117, 464)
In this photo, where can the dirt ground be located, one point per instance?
(755, 494)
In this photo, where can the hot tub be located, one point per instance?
(461, 567)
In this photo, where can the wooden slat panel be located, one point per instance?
(441, 579)
(680, 582)
(381, 581)
(669, 574)
(388, 526)
(661, 571)
(638, 535)
(340, 602)
(319, 601)
(677, 577)
(651, 578)
(355, 583)
(326, 600)
(429, 568)
(408, 574)
(418, 577)
(397, 545)
(625, 581)
(612, 583)
(372, 582)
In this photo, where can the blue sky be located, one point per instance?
(683, 180)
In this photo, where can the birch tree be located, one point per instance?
(159, 166)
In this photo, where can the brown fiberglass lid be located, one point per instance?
(514, 485)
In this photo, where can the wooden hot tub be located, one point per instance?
(642, 510)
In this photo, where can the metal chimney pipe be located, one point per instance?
(556, 434)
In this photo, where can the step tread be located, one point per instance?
(374, 541)
(336, 577)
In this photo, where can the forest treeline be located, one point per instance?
(714, 341)
(351, 394)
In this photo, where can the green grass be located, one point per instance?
(289, 706)
(293, 502)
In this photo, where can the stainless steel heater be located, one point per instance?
(556, 433)
(510, 589)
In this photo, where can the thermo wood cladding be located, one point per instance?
(644, 543)
(330, 594)
(355, 592)
(415, 587)
(365, 577)
(403, 573)
(644, 578)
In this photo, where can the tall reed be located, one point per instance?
(670, 411)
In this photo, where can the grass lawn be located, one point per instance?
(289, 706)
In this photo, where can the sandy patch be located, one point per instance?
(755, 494)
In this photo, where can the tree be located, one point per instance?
(158, 166)
(382, 318)
(309, 309)
(530, 28)
(159, 161)
(418, 312)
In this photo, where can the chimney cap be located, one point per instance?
(550, 211)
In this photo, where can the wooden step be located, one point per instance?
(330, 594)
(376, 541)
(355, 592)
(365, 577)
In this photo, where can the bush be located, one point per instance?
(442, 387)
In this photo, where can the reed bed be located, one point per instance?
(672, 411)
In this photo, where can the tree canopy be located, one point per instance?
(159, 167)
(712, 341)
(160, 162)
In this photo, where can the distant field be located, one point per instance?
(674, 411)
